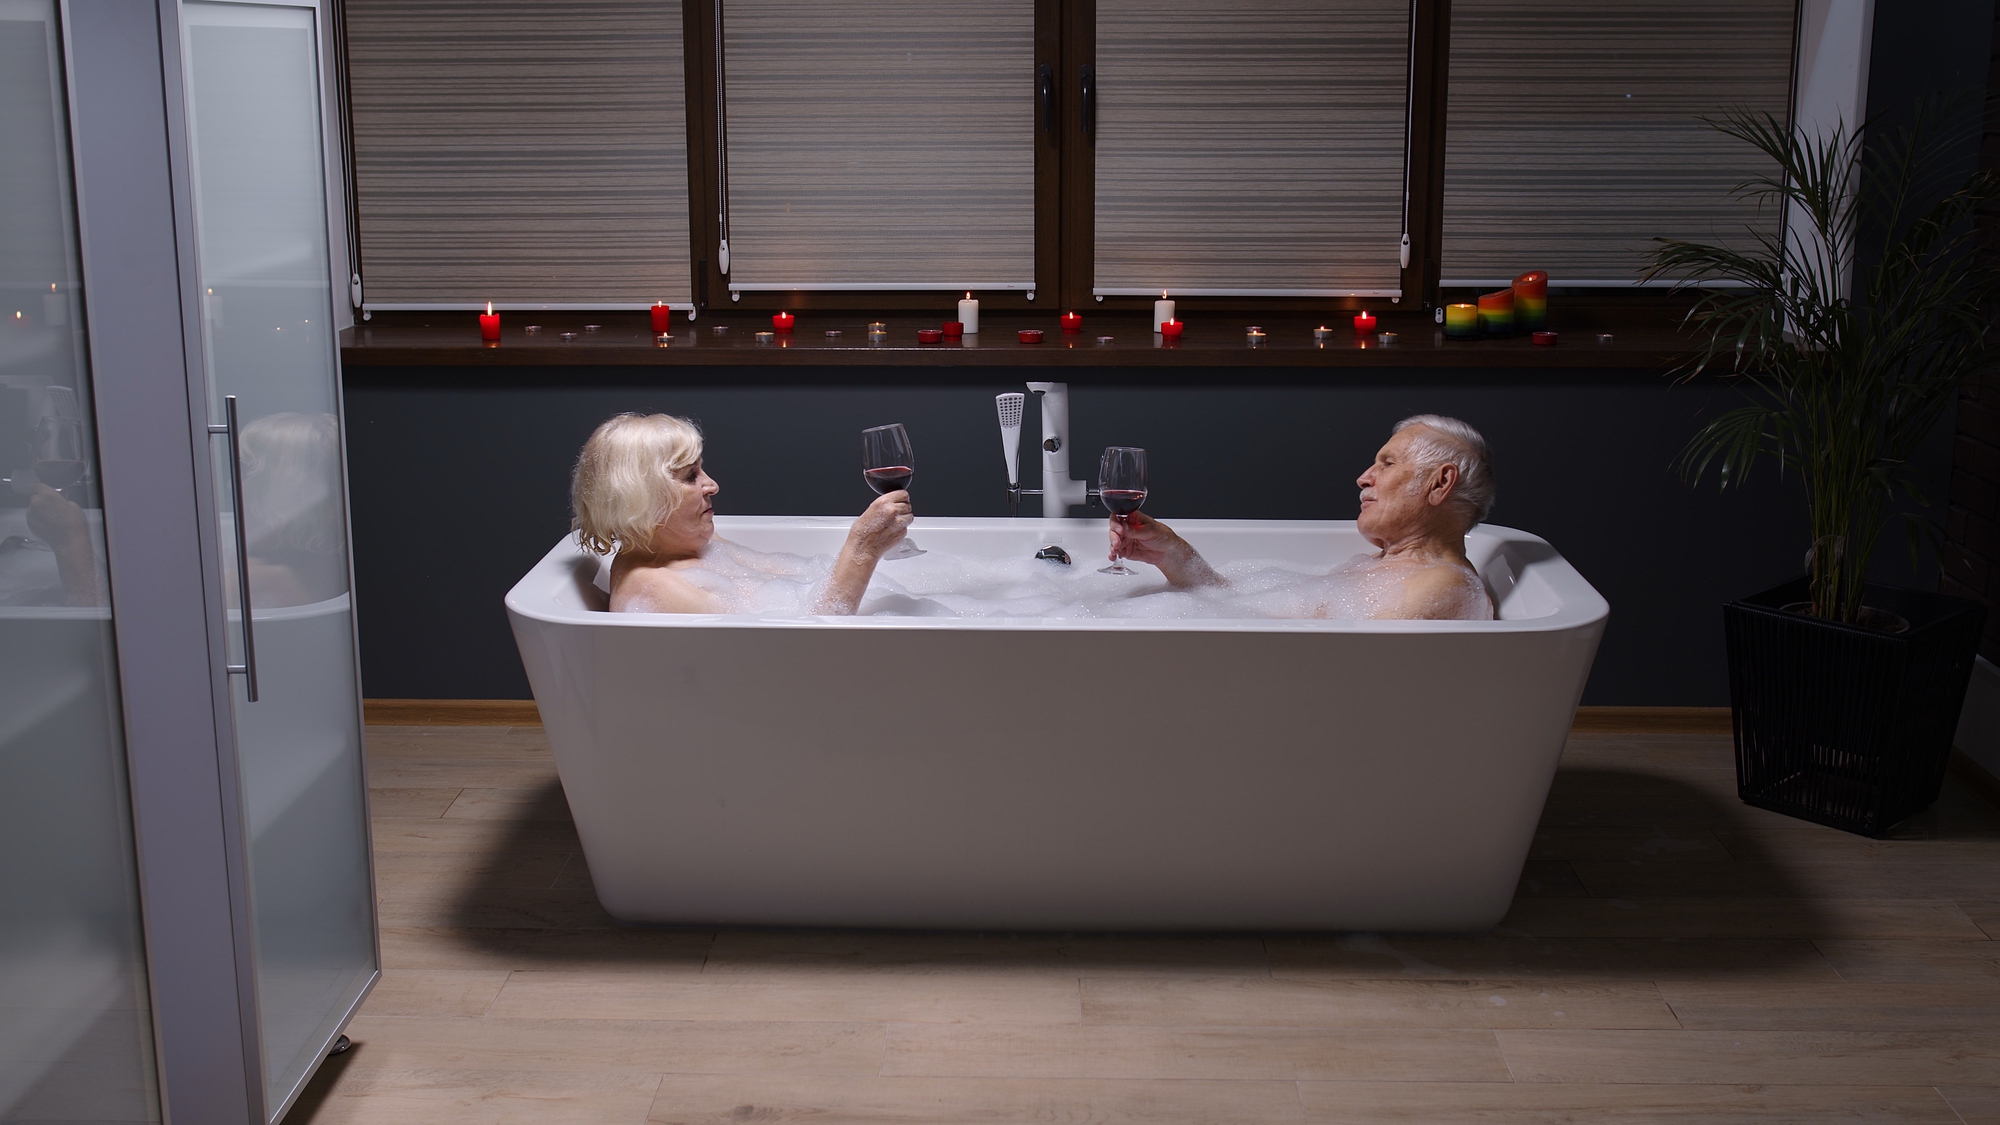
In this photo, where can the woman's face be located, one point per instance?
(692, 524)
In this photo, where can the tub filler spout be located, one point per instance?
(1058, 492)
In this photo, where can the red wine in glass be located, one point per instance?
(1122, 501)
(1121, 485)
(888, 478)
(59, 474)
(887, 464)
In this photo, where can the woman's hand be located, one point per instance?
(882, 526)
(874, 532)
(1144, 539)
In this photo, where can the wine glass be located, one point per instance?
(1121, 484)
(887, 464)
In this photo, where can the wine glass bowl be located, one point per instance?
(888, 462)
(1121, 486)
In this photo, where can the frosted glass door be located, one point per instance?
(258, 152)
(75, 1021)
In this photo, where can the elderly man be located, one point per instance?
(1427, 487)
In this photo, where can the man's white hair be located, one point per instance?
(1443, 440)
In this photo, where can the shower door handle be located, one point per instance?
(234, 432)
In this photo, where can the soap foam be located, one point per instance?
(937, 584)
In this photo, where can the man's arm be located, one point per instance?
(1147, 540)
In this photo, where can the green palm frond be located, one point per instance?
(1840, 385)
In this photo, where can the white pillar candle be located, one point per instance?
(1163, 311)
(968, 315)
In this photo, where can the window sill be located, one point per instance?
(407, 340)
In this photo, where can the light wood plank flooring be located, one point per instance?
(1672, 955)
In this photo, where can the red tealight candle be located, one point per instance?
(1072, 322)
(783, 321)
(1171, 329)
(953, 329)
(930, 335)
(489, 323)
(662, 317)
(1364, 324)
(1545, 339)
(1031, 335)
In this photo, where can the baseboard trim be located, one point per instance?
(451, 712)
(1651, 720)
(522, 713)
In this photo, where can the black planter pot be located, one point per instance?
(1844, 725)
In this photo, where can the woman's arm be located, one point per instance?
(879, 528)
(1148, 540)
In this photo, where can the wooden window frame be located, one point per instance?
(1064, 191)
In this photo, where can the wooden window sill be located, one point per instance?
(624, 340)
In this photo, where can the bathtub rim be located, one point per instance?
(1580, 605)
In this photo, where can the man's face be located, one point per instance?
(1395, 504)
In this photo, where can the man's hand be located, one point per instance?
(1142, 538)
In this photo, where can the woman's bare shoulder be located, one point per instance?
(658, 589)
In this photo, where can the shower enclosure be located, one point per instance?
(187, 920)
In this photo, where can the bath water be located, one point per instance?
(938, 584)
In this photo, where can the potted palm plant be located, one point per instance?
(1845, 694)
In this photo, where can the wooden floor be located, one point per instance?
(1673, 955)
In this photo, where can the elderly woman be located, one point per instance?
(640, 495)
(1428, 486)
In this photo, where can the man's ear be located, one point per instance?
(1443, 484)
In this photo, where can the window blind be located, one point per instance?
(1572, 137)
(519, 152)
(879, 144)
(1253, 148)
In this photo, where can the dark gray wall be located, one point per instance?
(459, 482)
(460, 485)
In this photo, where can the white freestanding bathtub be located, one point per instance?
(1010, 773)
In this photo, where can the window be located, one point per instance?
(1573, 131)
(519, 152)
(878, 145)
(884, 153)
(1251, 149)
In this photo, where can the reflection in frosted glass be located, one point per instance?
(75, 1028)
(260, 200)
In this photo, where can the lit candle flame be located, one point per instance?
(968, 294)
(489, 308)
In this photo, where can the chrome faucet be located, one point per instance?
(1058, 492)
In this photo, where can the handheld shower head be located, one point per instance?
(1010, 432)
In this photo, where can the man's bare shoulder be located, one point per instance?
(1444, 591)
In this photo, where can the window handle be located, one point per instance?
(1089, 101)
(1045, 85)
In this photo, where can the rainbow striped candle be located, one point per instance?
(1461, 321)
(1496, 313)
(1531, 301)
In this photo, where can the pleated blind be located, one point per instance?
(1252, 148)
(520, 152)
(1573, 140)
(879, 144)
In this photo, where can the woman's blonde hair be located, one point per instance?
(622, 488)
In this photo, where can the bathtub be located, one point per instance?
(1060, 774)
